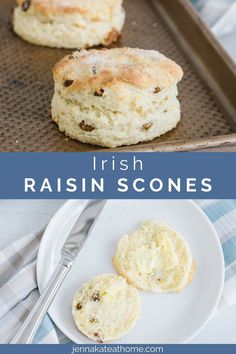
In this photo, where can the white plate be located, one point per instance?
(166, 318)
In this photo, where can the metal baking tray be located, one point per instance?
(207, 92)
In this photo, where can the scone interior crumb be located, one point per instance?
(106, 308)
(155, 258)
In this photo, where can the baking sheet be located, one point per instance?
(27, 88)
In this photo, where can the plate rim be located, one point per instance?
(70, 203)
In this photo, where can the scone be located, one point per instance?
(116, 97)
(69, 23)
(155, 258)
(106, 308)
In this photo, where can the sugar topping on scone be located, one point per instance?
(145, 69)
(94, 9)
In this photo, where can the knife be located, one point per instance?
(69, 252)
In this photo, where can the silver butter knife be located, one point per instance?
(69, 252)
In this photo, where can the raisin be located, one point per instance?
(94, 70)
(97, 335)
(147, 126)
(86, 127)
(93, 320)
(99, 93)
(79, 306)
(96, 296)
(25, 5)
(157, 90)
(68, 83)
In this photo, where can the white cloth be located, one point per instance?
(220, 15)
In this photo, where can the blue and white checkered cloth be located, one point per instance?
(222, 214)
(18, 292)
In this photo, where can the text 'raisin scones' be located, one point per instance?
(116, 97)
(69, 23)
(155, 258)
(106, 308)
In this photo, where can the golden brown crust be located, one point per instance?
(58, 7)
(113, 36)
(96, 69)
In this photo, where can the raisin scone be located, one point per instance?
(106, 308)
(116, 97)
(69, 23)
(155, 258)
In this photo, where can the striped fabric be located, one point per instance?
(18, 291)
(222, 214)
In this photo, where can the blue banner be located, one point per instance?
(72, 349)
(118, 176)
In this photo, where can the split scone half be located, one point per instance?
(116, 97)
(69, 23)
(155, 258)
(106, 308)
